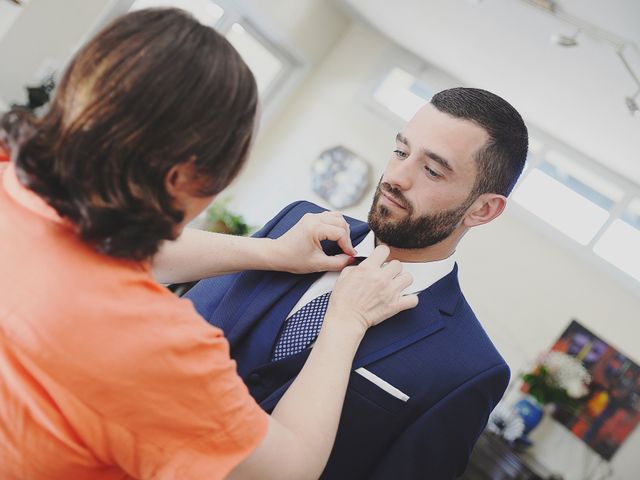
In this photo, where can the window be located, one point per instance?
(9, 12)
(264, 64)
(567, 196)
(270, 64)
(620, 242)
(206, 11)
(560, 206)
(402, 94)
(584, 204)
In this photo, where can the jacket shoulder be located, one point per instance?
(291, 214)
(471, 337)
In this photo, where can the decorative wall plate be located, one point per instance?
(340, 177)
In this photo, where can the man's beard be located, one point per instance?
(412, 233)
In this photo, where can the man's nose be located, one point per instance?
(401, 174)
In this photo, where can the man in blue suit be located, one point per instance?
(423, 383)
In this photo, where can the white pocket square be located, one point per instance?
(387, 387)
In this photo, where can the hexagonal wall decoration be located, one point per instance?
(340, 177)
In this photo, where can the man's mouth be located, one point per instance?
(391, 200)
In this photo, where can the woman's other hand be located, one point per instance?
(371, 292)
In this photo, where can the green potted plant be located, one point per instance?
(220, 219)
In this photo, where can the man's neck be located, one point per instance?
(433, 253)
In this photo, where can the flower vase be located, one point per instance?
(531, 411)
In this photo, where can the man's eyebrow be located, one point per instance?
(432, 155)
(402, 139)
(438, 158)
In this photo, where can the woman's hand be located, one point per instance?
(299, 249)
(371, 292)
(197, 254)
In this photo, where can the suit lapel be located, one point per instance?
(400, 331)
(435, 303)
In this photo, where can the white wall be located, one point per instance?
(8, 14)
(311, 26)
(524, 287)
(45, 31)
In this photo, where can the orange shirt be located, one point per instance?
(105, 374)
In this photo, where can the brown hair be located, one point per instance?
(154, 89)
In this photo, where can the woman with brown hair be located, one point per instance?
(105, 374)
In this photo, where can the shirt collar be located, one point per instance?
(424, 274)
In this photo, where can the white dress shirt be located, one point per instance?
(424, 274)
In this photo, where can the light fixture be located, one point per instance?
(632, 105)
(618, 43)
(566, 40)
(549, 5)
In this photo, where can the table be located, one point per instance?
(494, 459)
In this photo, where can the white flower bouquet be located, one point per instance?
(558, 378)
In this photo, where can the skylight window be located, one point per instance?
(402, 94)
(620, 243)
(569, 197)
(584, 181)
(560, 206)
(206, 11)
(263, 63)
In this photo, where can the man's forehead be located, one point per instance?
(444, 134)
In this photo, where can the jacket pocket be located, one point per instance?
(384, 396)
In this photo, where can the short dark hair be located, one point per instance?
(152, 90)
(501, 161)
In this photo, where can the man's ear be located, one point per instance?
(486, 207)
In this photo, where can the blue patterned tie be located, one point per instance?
(302, 328)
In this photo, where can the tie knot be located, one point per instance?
(358, 260)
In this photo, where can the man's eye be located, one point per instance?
(432, 173)
(400, 153)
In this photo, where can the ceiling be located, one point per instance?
(575, 94)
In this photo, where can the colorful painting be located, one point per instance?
(611, 410)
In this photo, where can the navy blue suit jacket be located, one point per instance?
(438, 354)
